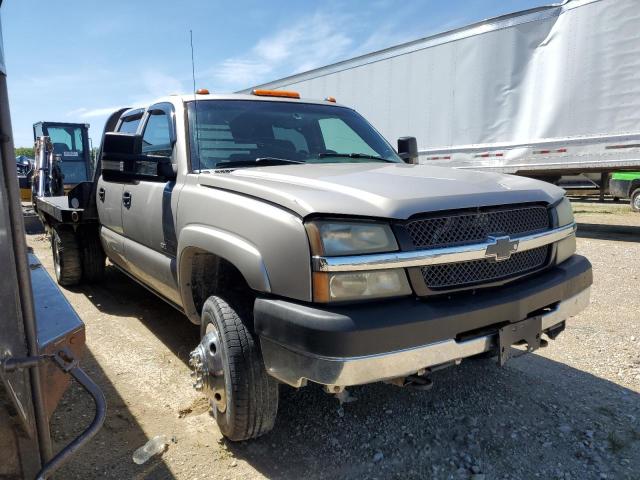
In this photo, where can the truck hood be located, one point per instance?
(378, 190)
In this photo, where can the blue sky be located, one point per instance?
(79, 60)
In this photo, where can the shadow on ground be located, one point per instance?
(622, 233)
(107, 455)
(121, 296)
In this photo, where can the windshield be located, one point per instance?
(239, 132)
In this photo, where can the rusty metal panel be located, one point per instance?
(59, 328)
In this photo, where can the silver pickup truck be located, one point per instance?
(308, 250)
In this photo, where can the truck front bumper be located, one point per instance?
(357, 344)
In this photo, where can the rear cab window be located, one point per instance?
(129, 124)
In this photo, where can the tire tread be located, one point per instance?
(93, 258)
(255, 393)
(66, 242)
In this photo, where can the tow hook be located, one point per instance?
(418, 382)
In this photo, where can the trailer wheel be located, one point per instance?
(635, 200)
(93, 258)
(66, 257)
(229, 368)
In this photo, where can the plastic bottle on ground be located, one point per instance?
(153, 447)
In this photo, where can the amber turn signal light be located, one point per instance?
(276, 93)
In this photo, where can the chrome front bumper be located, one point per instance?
(295, 368)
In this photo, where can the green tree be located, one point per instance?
(26, 151)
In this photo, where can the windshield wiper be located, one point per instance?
(258, 161)
(276, 161)
(354, 155)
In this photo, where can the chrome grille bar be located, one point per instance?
(436, 256)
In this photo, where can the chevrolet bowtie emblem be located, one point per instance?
(501, 248)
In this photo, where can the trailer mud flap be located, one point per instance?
(527, 331)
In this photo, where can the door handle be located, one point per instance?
(126, 199)
(101, 194)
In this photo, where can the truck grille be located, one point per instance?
(456, 275)
(474, 227)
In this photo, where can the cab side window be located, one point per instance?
(157, 138)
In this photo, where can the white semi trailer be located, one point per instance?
(543, 92)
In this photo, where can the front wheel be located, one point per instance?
(229, 369)
(635, 200)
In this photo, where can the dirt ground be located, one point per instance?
(569, 411)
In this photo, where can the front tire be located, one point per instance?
(66, 257)
(248, 405)
(635, 200)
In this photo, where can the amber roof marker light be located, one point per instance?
(330, 99)
(275, 93)
(202, 91)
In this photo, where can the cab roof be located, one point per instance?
(190, 97)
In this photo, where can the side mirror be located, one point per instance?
(408, 149)
(121, 147)
(122, 159)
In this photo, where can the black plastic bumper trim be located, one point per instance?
(379, 327)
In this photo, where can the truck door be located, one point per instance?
(109, 199)
(148, 213)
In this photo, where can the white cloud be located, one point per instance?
(241, 71)
(155, 84)
(158, 84)
(91, 112)
(309, 43)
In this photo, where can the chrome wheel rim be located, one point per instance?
(207, 361)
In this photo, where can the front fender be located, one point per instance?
(234, 249)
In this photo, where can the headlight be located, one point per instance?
(339, 238)
(564, 212)
(334, 238)
(567, 247)
(343, 286)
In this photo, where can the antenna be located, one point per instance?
(195, 99)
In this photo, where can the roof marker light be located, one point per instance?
(275, 93)
(547, 152)
(202, 91)
(489, 154)
(331, 99)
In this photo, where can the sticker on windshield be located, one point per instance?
(69, 154)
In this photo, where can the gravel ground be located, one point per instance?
(569, 411)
